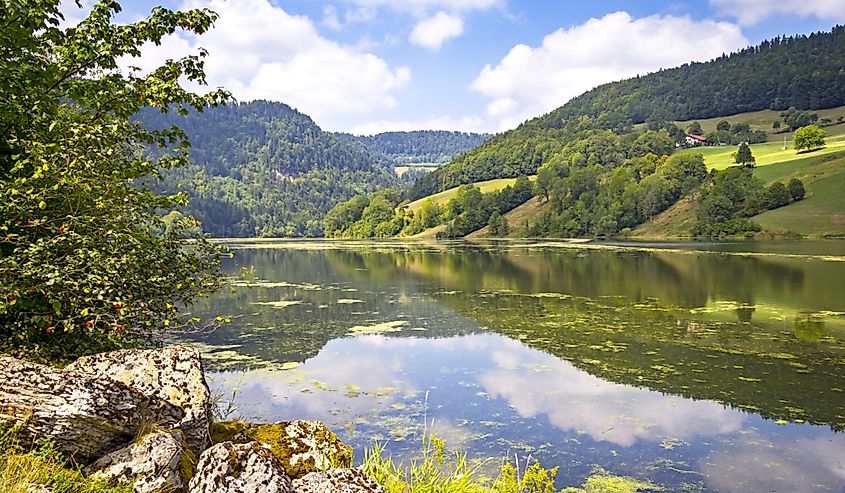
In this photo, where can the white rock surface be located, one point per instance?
(85, 416)
(173, 374)
(153, 464)
(336, 481)
(239, 468)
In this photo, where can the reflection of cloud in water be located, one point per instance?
(800, 466)
(316, 390)
(349, 377)
(379, 382)
(535, 383)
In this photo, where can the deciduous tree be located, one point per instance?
(809, 138)
(86, 261)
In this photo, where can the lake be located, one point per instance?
(701, 367)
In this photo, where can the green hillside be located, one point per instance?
(760, 120)
(607, 162)
(820, 213)
(419, 147)
(721, 157)
(804, 72)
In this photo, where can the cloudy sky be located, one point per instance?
(367, 66)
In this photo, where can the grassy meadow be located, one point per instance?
(822, 212)
(443, 197)
(773, 152)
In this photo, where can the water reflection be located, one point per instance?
(671, 366)
(575, 401)
(491, 394)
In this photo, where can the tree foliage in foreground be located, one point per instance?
(86, 261)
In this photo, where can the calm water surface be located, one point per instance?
(702, 367)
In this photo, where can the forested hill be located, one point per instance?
(264, 169)
(421, 146)
(805, 72)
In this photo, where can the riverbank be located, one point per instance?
(141, 421)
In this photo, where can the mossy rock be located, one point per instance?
(301, 446)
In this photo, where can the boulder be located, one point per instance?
(157, 462)
(336, 481)
(301, 446)
(173, 374)
(239, 468)
(84, 416)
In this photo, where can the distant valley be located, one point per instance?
(264, 169)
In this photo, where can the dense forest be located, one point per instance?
(421, 146)
(804, 72)
(264, 169)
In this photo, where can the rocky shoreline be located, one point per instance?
(144, 416)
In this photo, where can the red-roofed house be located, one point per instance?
(694, 140)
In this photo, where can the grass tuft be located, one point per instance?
(435, 470)
(23, 465)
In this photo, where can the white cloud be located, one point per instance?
(420, 7)
(616, 46)
(432, 32)
(74, 14)
(463, 124)
(750, 12)
(330, 19)
(259, 51)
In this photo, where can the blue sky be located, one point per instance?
(477, 65)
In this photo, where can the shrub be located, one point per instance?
(796, 189)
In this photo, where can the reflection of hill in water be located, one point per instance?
(739, 330)
(719, 327)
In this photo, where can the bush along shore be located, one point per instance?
(138, 420)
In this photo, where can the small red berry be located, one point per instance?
(49, 330)
(118, 306)
(89, 324)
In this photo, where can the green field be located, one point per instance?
(720, 157)
(446, 195)
(759, 120)
(822, 212)
(400, 170)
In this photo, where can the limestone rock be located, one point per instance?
(239, 468)
(337, 481)
(301, 446)
(155, 463)
(84, 416)
(173, 374)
